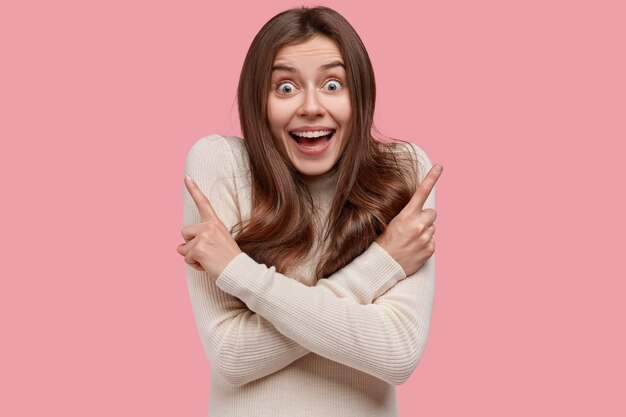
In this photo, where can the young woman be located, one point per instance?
(309, 249)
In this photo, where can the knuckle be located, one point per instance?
(419, 227)
(189, 259)
(431, 212)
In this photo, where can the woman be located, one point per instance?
(342, 313)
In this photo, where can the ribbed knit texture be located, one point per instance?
(288, 345)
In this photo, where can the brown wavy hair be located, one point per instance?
(374, 182)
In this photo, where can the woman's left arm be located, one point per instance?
(385, 339)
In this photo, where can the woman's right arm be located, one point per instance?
(242, 345)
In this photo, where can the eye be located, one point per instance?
(285, 87)
(334, 85)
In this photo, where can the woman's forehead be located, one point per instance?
(315, 48)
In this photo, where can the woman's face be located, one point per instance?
(309, 97)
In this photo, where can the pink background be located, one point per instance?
(522, 102)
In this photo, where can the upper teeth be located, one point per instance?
(315, 134)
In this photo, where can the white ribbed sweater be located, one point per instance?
(285, 345)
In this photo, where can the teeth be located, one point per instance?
(315, 134)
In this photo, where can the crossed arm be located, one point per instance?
(254, 321)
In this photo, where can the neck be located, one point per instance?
(321, 181)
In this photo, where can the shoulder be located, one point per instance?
(218, 152)
(417, 155)
(217, 146)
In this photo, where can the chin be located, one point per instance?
(309, 172)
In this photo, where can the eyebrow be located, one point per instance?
(324, 67)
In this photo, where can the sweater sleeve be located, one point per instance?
(385, 338)
(242, 345)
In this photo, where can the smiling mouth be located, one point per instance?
(311, 141)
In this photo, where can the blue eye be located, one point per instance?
(289, 89)
(335, 86)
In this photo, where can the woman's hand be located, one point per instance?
(408, 237)
(209, 246)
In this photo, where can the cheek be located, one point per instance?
(277, 113)
(348, 113)
(342, 110)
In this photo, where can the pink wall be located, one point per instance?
(523, 104)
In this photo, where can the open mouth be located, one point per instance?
(311, 141)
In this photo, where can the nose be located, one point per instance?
(311, 106)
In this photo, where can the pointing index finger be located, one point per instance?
(202, 202)
(425, 187)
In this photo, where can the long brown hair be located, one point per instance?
(373, 181)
